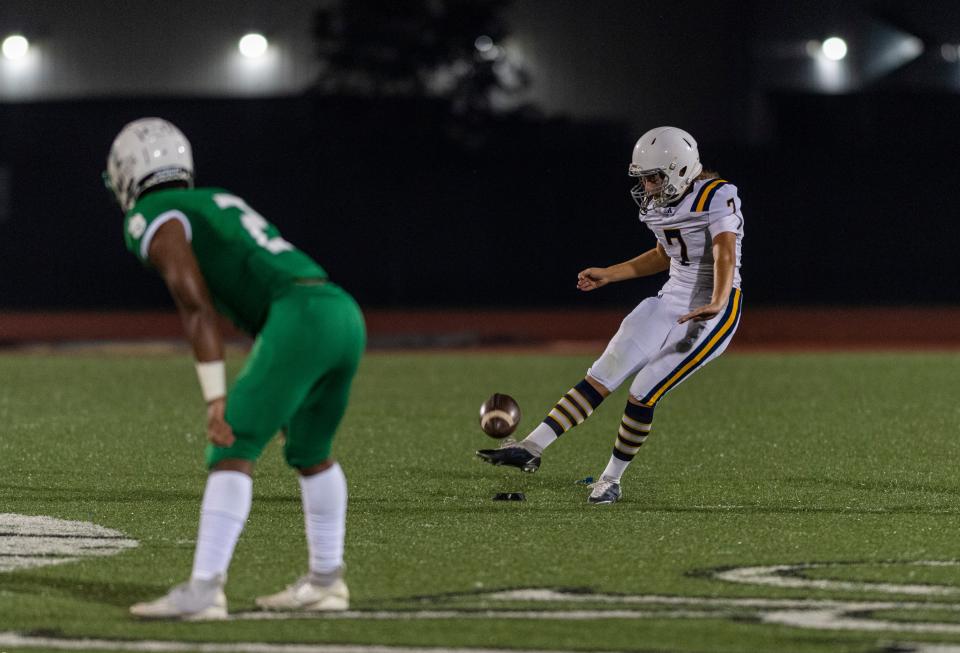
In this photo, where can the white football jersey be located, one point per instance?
(686, 231)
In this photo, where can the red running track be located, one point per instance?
(760, 328)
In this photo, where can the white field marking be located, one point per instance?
(39, 541)
(156, 646)
(551, 596)
(775, 575)
(418, 615)
(15, 640)
(838, 620)
(817, 614)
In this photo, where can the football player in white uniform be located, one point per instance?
(698, 225)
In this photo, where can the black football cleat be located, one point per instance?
(512, 455)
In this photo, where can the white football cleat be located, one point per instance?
(195, 600)
(309, 596)
(605, 491)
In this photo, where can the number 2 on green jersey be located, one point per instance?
(255, 224)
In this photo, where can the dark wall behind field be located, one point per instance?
(850, 203)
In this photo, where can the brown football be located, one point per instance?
(499, 416)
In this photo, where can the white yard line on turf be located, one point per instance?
(14, 640)
(784, 576)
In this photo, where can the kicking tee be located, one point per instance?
(243, 258)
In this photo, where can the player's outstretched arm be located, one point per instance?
(724, 255)
(650, 262)
(170, 253)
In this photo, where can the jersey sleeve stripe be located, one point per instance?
(702, 201)
(158, 222)
(724, 329)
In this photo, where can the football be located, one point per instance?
(499, 416)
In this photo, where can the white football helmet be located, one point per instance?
(670, 154)
(147, 152)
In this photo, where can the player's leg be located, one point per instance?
(688, 348)
(310, 434)
(267, 392)
(223, 513)
(323, 490)
(639, 336)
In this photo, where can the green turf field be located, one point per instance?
(838, 470)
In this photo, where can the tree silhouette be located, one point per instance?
(419, 49)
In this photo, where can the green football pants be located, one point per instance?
(297, 377)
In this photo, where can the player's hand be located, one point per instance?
(702, 314)
(592, 278)
(218, 431)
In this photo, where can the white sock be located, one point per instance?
(325, 515)
(615, 469)
(226, 505)
(540, 438)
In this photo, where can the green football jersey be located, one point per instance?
(244, 261)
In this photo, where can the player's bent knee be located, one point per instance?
(598, 385)
(638, 401)
(317, 468)
(233, 465)
(307, 455)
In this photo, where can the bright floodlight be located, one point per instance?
(15, 46)
(834, 48)
(253, 45)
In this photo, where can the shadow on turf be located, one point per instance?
(111, 593)
(131, 496)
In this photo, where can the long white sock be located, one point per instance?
(325, 515)
(540, 438)
(225, 508)
(615, 469)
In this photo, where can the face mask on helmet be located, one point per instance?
(652, 190)
(666, 162)
(146, 153)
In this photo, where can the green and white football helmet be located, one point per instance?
(671, 155)
(147, 152)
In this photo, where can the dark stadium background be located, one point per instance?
(848, 188)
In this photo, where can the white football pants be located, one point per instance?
(661, 352)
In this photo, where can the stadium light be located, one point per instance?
(15, 47)
(834, 48)
(253, 45)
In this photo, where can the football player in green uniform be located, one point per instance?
(215, 253)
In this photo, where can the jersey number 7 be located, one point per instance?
(670, 234)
